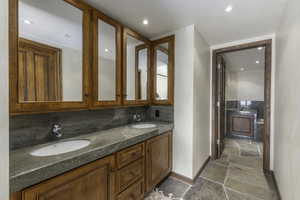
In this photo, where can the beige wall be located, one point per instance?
(4, 149)
(287, 104)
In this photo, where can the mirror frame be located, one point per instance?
(42, 107)
(118, 27)
(171, 65)
(147, 44)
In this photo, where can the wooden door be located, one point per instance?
(91, 182)
(158, 159)
(39, 72)
(221, 127)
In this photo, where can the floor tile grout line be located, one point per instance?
(225, 180)
(245, 194)
(226, 195)
(190, 186)
(211, 180)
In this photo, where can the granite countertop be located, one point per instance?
(27, 170)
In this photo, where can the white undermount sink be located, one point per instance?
(144, 126)
(60, 148)
(245, 112)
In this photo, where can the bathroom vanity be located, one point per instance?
(120, 163)
(85, 62)
(241, 123)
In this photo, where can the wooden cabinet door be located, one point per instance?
(158, 159)
(242, 125)
(91, 182)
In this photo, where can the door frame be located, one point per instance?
(267, 96)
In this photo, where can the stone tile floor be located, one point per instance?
(237, 175)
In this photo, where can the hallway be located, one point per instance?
(237, 175)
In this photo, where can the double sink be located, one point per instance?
(73, 145)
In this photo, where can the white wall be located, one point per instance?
(72, 74)
(246, 85)
(265, 37)
(183, 105)
(201, 100)
(287, 120)
(4, 120)
(107, 79)
(191, 106)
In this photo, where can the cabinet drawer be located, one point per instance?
(129, 155)
(135, 192)
(129, 174)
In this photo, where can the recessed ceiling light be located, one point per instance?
(145, 22)
(26, 21)
(106, 50)
(260, 48)
(257, 62)
(242, 69)
(228, 8)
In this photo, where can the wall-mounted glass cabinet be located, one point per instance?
(136, 68)
(163, 71)
(106, 61)
(66, 55)
(49, 55)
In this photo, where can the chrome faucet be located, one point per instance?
(56, 131)
(137, 117)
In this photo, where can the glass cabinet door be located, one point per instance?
(50, 40)
(163, 71)
(136, 71)
(107, 61)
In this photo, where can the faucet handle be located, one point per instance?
(56, 130)
(137, 117)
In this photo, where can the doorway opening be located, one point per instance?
(241, 103)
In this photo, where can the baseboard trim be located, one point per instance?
(189, 180)
(182, 178)
(202, 168)
(276, 184)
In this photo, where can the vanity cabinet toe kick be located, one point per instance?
(125, 175)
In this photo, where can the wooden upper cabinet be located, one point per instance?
(107, 35)
(74, 57)
(163, 71)
(94, 181)
(136, 68)
(158, 159)
(49, 55)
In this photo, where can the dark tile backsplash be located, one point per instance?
(161, 113)
(256, 105)
(27, 130)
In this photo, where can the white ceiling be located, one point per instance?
(245, 60)
(249, 18)
(54, 22)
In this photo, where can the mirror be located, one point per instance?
(161, 72)
(107, 68)
(50, 53)
(137, 65)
